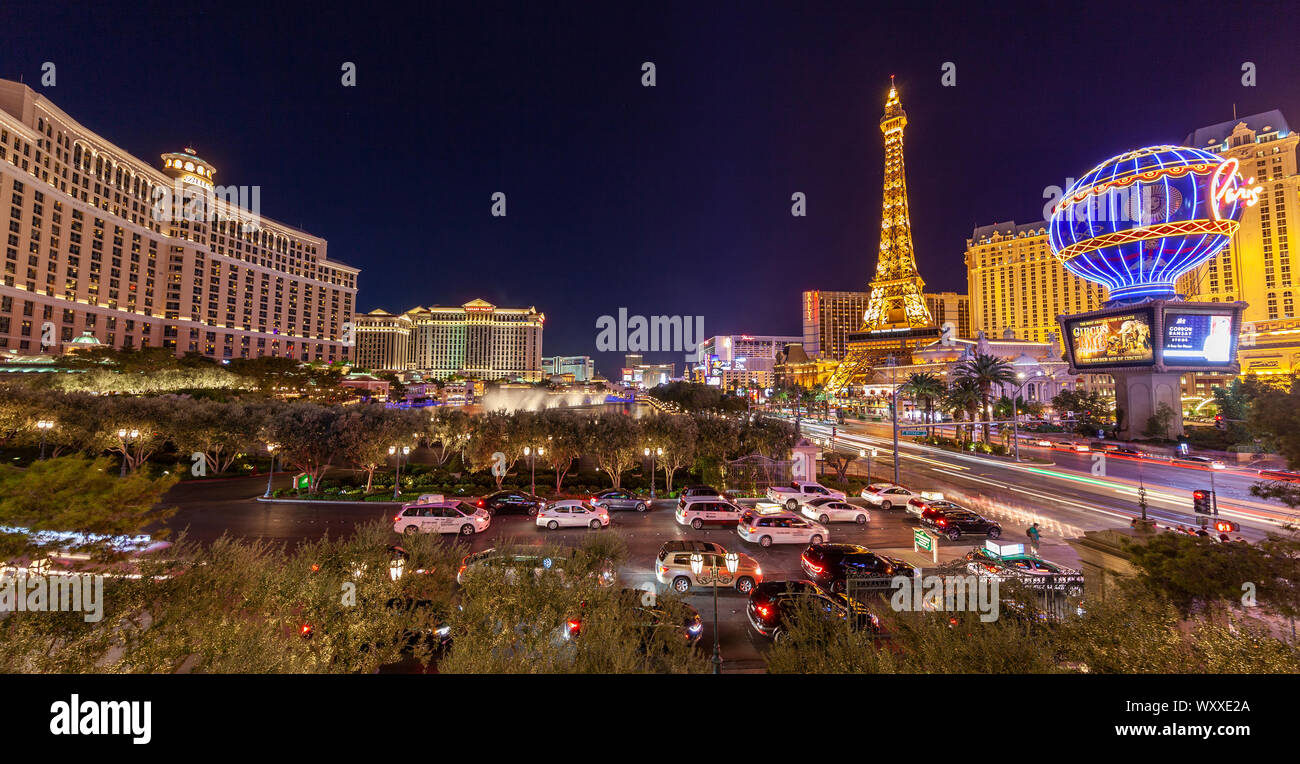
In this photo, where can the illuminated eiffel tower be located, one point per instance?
(896, 319)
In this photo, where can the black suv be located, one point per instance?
(774, 606)
(511, 501)
(830, 565)
(953, 523)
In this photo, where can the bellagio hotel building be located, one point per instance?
(86, 253)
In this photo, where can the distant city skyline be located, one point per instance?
(671, 200)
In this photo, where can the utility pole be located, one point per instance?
(893, 380)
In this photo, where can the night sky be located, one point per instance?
(672, 200)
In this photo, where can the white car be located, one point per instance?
(785, 528)
(799, 492)
(835, 511)
(699, 511)
(572, 514)
(441, 517)
(888, 495)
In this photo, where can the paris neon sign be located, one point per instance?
(1225, 190)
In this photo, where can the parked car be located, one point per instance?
(917, 505)
(785, 528)
(831, 565)
(775, 606)
(700, 511)
(572, 514)
(954, 523)
(619, 499)
(673, 567)
(828, 510)
(442, 517)
(800, 491)
(518, 502)
(888, 495)
(982, 561)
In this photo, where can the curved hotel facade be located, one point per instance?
(93, 247)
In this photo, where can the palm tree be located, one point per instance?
(985, 371)
(962, 397)
(924, 387)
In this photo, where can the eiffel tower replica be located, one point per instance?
(897, 319)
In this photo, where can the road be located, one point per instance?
(1065, 495)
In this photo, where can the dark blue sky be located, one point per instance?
(671, 200)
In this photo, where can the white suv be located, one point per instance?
(834, 511)
(441, 517)
(699, 511)
(888, 495)
(572, 514)
(783, 528)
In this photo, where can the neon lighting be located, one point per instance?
(1224, 188)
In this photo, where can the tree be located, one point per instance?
(308, 436)
(565, 441)
(1275, 416)
(1090, 410)
(448, 427)
(1195, 571)
(985, 371)
(717, 437)
(1157, 425)
(367, 431)
(488, 435)
(676, 435)
(79, 495)
(133, 427)
(963, 397)
(615, 442)
(219, 431)
(924, 388)
(771, 437)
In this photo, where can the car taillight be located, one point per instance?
(396, 518)
(663, 570)
(574, 627)
(763, 610)
(593, 499)
(479, 502)
(305, 631)
(812, 566)
(941, 522)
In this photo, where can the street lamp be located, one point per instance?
(532, 468)
(270, 448)
(397, 481)
(653, 454)
(44, 425)
(126, 436)
(1015, 408)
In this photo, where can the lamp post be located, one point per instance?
(397, 481)
(732, 561)
(1015, 409)
(126, 436)
(893, 381)
(44, 426)
(270, 448)
(653, 453)
(532, 469)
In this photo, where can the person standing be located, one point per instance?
(1034, 535)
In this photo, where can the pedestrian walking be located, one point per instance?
(1034, 535)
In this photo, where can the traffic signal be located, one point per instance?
(1218, 421)
(1226, 526)
(1203, 502)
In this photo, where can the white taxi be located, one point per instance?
(888, 495)
(783, 528)
(572, 514)
(699, 511)
(829, 510)
(441, 517)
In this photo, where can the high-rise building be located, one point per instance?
(828, 318)
(1257, 266)
(952, 307)
(1015, 282)
(897, 319)
(581, 367)
(476, 340)
(383, 341)
(740, 360)
(104, 244)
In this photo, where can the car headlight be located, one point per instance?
(696, 628)
(442, 631)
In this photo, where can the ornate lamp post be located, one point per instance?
(1015, 408)
(126, 436)
(270, 449)
(652, 454)
(532, 468)
(397, 481)
(44, 426)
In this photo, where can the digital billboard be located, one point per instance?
(1120, 339)
(1198, 337)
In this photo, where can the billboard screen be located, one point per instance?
(1121, 339)
(1198, 337)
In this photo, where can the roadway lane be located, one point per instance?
(1065, 495)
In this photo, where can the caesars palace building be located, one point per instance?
(93, 248)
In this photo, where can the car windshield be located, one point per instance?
(465, 508)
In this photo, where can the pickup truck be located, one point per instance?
(795, 495)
